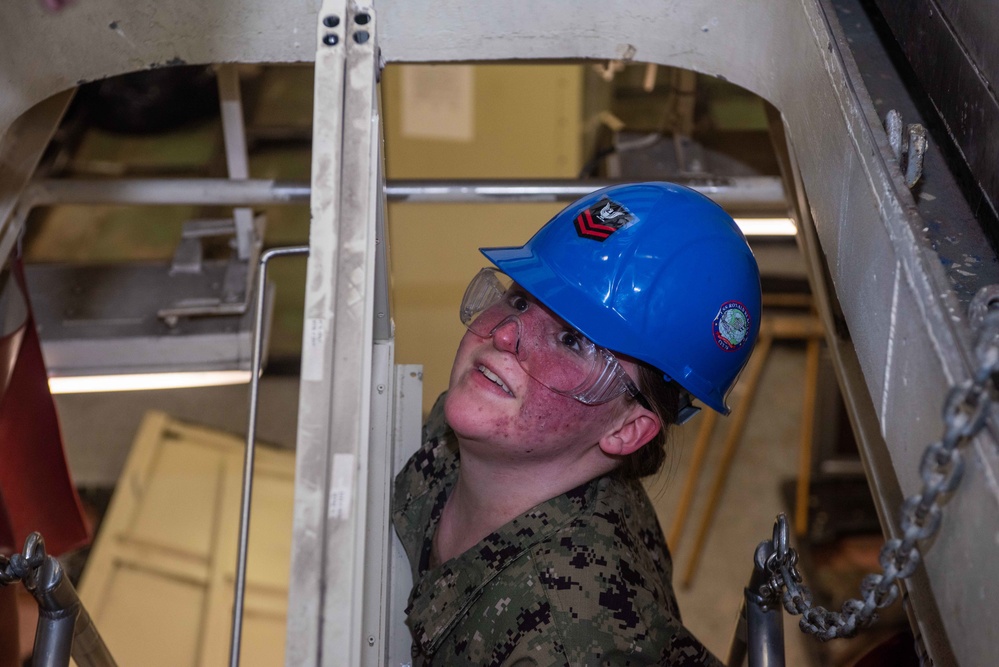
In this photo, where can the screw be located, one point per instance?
(371, 641)
(330, 39)
(381, 390)
(331, 21)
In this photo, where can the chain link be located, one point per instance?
(22, 566)
(966, 410)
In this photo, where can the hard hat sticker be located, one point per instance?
(602, 219)
(731, 326)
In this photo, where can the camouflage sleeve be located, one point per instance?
(540, 651)
(558, 645)
(665, 642)
(606, 611)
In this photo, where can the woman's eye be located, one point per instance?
(519, 303)
(571, 340)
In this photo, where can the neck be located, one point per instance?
(489, 494)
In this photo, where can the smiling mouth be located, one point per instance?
(495, 379)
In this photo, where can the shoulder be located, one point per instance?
(606, 578)
(616, 537)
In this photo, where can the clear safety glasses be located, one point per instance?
(548, 349)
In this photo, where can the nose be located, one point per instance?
(506, 335)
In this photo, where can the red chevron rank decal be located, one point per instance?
(602, 219)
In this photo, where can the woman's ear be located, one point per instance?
(639, 427)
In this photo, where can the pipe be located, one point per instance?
(165, 191)
(64, 627)
(752, 193)
(251, 438)
(760, 629)
(58, 609)
(765, 630)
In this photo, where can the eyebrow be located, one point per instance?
(568, 327)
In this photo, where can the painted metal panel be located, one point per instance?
(378, 530)
(407, 435)
(334, 413)
(42, 53)
(21, 148)
(793, 53)
(315, 429)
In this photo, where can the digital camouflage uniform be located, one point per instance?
(581, 579)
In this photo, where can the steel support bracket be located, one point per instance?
(228, 284)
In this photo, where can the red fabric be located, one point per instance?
(36, 490)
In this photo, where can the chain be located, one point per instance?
(22, 566)
(966, 409)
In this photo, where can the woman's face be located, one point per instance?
(494, 405)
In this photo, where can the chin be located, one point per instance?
(472, 416)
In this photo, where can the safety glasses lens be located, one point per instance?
(548, 349)
(485, 290)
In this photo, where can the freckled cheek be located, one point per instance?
(544, 363)
(552, 412)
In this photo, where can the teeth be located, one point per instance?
(495, 378)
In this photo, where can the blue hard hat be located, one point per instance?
(655, 271)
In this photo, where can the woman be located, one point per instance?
(531, 540)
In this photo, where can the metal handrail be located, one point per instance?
(251, 432)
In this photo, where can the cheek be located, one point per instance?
(556, 371)
(459, 355)
(548, 413)
(461, 414)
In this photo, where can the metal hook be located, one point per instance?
(909, 144)
(782, 536)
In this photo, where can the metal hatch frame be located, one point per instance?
(908, 330)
